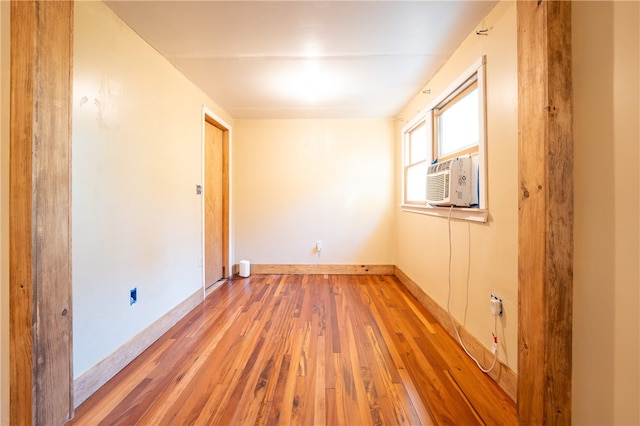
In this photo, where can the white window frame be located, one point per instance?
(420, 120)
(477, 214)
(441, 109)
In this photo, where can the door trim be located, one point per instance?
(210, 117)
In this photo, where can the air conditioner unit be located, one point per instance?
(450, 183)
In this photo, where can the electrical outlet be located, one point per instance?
(319, 246)
(496, 305)
(133, 296)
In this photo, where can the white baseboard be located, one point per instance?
(102, 372)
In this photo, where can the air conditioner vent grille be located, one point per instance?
(439, 167)
(449, 183)
(438, 187)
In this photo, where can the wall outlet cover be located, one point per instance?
(133, 296)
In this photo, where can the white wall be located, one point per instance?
(484, 256)
(298, 181)
(137, 157)
(606, 331)
(4, 212)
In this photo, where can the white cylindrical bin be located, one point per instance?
(245, 268)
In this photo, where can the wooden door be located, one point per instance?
(213, 201)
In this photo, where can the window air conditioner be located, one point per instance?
(449, 183)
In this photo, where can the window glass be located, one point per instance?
(418, 142)
(452, 135)
(416, 156)
(416, 183)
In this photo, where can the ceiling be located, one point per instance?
(306, 59)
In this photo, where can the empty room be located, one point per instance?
(320, 212)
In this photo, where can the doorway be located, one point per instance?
(216, 201)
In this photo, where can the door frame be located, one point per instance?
(18, 386)
(210, 117)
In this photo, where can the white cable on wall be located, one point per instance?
(453, 323)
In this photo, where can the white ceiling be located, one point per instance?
(306, 59)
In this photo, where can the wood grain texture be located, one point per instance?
(20, 218)
(227, 269)
(505, 377)
(302, 349)
(545, 241)
(321, 269)
(213, 208)
(40, 182)
(226, 241)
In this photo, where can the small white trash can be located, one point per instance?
(245, 268)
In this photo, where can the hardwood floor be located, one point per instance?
(302, 349)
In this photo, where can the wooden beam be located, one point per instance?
(39, 212)
(545, 240)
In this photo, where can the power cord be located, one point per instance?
(453, 323)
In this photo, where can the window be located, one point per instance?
(417, 159)
(456, 129)
(451, 126)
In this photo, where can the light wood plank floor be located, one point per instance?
(302, 349)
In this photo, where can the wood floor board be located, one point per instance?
(359, 390)
(302, 350)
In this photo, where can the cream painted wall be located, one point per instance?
(484, 256)
(137, 157)
(606, 296)
(606, 331)
(4, 211)
(298, 181)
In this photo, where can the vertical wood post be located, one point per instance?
(545, 240)
(39, 212)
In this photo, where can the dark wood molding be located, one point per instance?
(545, 219)
(39, 212)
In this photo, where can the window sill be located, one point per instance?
(459, 213)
